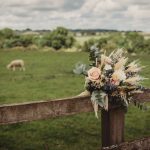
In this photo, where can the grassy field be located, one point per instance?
(82, 39)
(49, 75)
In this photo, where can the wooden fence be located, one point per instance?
(112, 120)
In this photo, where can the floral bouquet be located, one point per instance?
(110, 79)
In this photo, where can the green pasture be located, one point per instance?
(48, 76)
(82, 39)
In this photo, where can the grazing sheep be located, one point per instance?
(18, 63)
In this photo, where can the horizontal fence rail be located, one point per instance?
(43, 109)
(14, 113)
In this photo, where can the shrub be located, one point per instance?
(100, 43)
(60, 38)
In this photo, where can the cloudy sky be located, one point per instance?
(102, 14)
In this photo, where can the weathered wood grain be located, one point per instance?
(112, 123)
(143, 97)
(43, 109)
(13, 113)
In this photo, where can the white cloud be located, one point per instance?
(47, 14)
(107, 5)
(136, 12)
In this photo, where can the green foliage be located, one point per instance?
(69, 41)
(40, 42)
(1, 44)
(57, 39)
(100, 43)
(7, 44)
(60, 31)
(26, 40)
(61, 38)
(96, 97)
(132, 41)
(94, 53)
(6, 36)
(56, 43)
(7, 33)
(147, 46)
(23, 41)
(88, 44)
(80, 68)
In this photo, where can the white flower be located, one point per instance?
(107, 67)
(118, 76)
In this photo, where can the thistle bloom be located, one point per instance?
(94, 74)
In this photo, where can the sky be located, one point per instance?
(73, 14)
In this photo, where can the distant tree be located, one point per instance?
(134, 42)
(69, 41)
(87, 44)
(147, 46)
(22, 40)
(26, 40)
(7, 33)
(60, 31)
(7, 44)
(27, 29)
(56, 44)
(100, 43)
(1, 35)
(116, 39)
(40, 41)
(1, 44)
(60, 38)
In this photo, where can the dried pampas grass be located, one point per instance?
(134, 80)
(116, 55)
(134, 67)
(120, 64)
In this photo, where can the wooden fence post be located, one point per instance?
(112, 126)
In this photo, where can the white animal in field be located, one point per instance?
(18, 63)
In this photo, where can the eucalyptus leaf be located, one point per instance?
(96, 96)
(94, 53)
(80, 69)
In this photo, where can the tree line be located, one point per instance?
(133, 42)
(57, 39)
(63, 38)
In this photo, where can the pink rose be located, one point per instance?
(94, 74)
